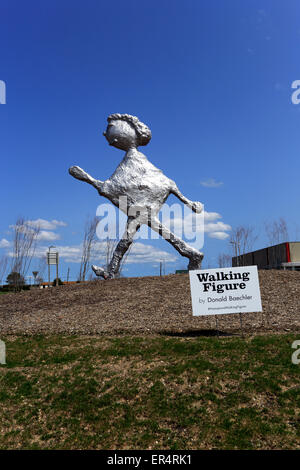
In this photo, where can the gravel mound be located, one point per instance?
(145, 305)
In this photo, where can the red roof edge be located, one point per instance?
(288, 254)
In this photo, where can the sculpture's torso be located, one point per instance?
(141, 182)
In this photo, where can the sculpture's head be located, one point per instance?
(125, 132)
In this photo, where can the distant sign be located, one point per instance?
(225, 290)
(52, 257)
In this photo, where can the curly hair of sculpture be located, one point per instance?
(145, 187)
(143, 131)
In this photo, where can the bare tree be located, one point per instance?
(242, 240)
(224, 260)
(41, 268)
(109, 248)
(277, 231)
(243, 237)
(297, 232)
(25, 237)
(87, 246)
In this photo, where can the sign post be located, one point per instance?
(225, 290)
(52, 258)
(217, 327)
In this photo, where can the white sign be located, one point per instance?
(52, 257)
(225, 290)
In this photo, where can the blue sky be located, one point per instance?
(212, 79)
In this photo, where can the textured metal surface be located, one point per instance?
(139, 189)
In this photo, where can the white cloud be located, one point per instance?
(216, 227)
(186, 225)
(210, 216)
(142, 253)
(211, 183)
(46, 224)
(218, 235)
(46, 228)
(139, 253)
(4, 243)
(47, 236)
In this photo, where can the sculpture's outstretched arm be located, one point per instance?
(81, 175)
(195, 206)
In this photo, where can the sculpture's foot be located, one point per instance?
(195, 261)
(100, 272)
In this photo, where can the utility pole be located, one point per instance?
(68, 274)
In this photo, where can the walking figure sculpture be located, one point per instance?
(144, 187)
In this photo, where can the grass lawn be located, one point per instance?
(79, 392)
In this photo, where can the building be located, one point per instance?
(283, 256)
(44, 285)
